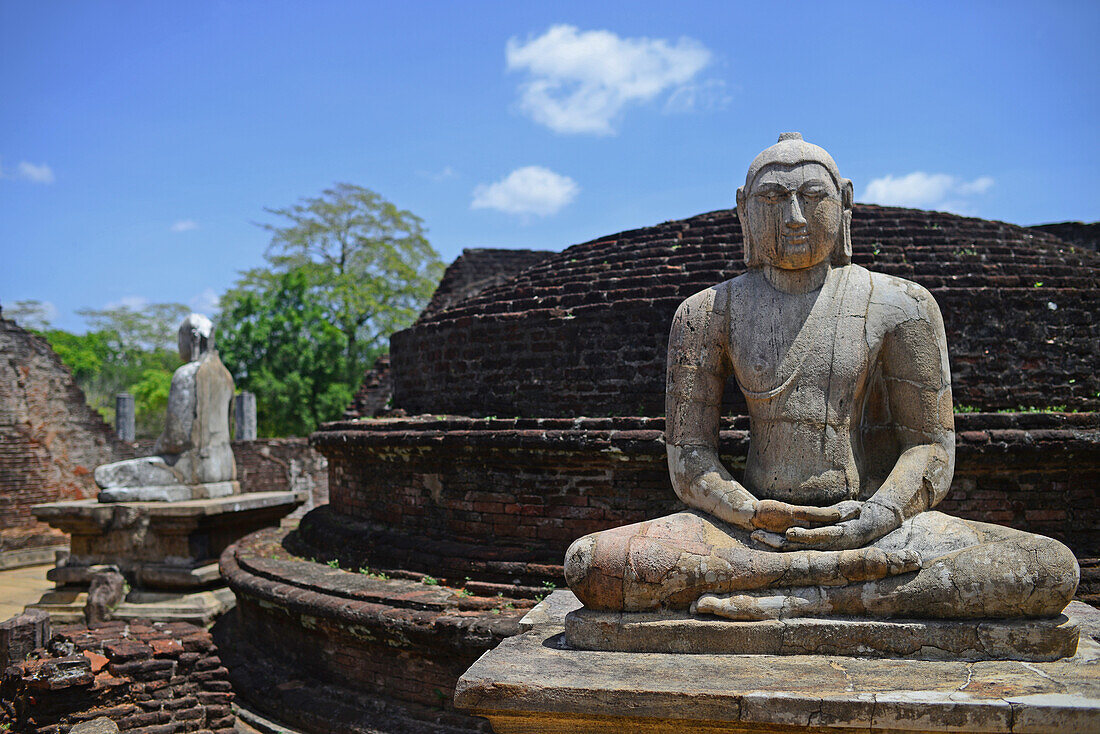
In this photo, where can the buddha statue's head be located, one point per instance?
(795, 209)
(196, 337)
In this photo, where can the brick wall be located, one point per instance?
(1075, 233)
(584, 331)
(147, 678)
(50, 440)
(328, 650)
(281, 465)
(502, 499)
(477, 269)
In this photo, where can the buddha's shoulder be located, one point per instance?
(898, 299)
(719, 299)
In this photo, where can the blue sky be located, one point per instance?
(140, 142)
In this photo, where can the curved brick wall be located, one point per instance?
(584, 332)
(500, 500)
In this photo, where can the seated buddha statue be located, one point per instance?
(192, 458)
(845, 374)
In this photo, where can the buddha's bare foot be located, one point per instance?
(748, 607)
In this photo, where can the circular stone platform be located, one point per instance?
(323, 648)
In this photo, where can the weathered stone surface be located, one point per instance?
(106, 590)
(99, 725)
(532, 682)
(918, 639)
(193, 459)
(846, 378)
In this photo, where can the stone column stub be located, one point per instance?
(244, 416)
(124, 416)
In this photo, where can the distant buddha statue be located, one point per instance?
(193, 458)
(845, 373)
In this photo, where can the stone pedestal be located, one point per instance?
(1035, 640)
(167, 551)
(534, 682)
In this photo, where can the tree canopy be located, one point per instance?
(344, 271)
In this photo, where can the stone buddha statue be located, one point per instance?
(852, 445)
(193, 458)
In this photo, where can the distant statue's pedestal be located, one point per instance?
(804, 675)
(167, 551)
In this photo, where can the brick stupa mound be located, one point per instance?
(584, 332)
(533, 415)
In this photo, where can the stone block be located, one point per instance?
(21, 634)
(918, 639)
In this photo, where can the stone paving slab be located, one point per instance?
(533, 682)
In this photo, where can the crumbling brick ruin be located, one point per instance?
(584, 332)
(147, 678)
(50, 440)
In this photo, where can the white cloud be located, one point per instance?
(705, 96)
(35, 173)
(205, 303)
(41, 173)
(527, 190)
(184, 225)
(135, 303)
(579, 81)
(922, 190)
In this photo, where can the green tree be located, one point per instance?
(369, 264)
(344, 271)
(277, 340)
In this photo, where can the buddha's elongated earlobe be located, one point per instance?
(746, 236)
(842, 255)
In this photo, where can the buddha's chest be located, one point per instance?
(794, 344)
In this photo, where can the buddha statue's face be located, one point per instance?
(794, 215)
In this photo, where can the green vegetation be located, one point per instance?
(344, 271)
(371, 573)
(429, 581)
(126, 349)
(548, 586)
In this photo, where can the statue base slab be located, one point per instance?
(168, 550)
(65, 605)
(535, 682)
(170, 492)
(1034, 640)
